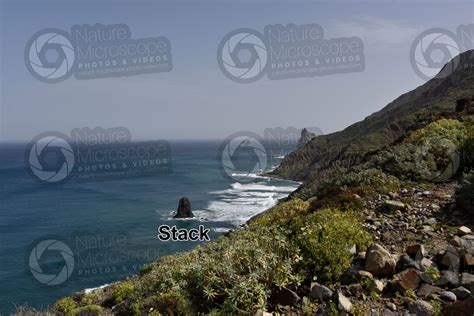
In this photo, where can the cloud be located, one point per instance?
(376, 31)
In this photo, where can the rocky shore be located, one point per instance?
(421, 263)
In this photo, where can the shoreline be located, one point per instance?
(195, 218)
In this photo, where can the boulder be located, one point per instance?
(457, 242)
(426, 263)
(447, 296)
(362, 274)
(463, 230)
(285, 297)
(427, 291)
(184, 209)
(344, 304)
(421, 308)
(377, 286)
(386, 312)
(451, 258)
(416, 251)
(461, 293)
(391, 306)
(393, 206)
(320, 292)
(379, 261)
(467, 279)
(408, 279)
(469, 260)
(405, 262)
(448, 279)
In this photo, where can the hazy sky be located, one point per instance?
(195, 100)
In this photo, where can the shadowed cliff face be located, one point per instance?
(410, 111)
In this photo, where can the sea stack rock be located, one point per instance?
(306, 136)
(184, 208)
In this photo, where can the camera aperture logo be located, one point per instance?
(63, 269)
(95, 51)
(245, 55)
(94, 155)
(434, 52)
(243, 156)
(54, 261)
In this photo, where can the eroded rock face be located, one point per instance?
(184, 209)
(379, 261)
(306, 136)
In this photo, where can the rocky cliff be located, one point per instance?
(408, 112)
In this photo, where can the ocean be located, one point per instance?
(63, 238)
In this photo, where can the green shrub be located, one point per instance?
(344, 190)
(432, 274)
(234, 274)
(169, 303)
(362, 180)
(325, 239)
(89, 310)
(437, 307)
(122, 291)
(242, 270)
(448, 129)
(333, 196)
(428, 154)
(65, 305)
(282, 213)
(90, 298)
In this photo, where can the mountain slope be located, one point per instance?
(408, 112)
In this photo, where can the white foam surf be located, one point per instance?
(241, 202)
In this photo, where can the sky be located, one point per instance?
(195, 100)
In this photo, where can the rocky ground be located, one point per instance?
(422, 262)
